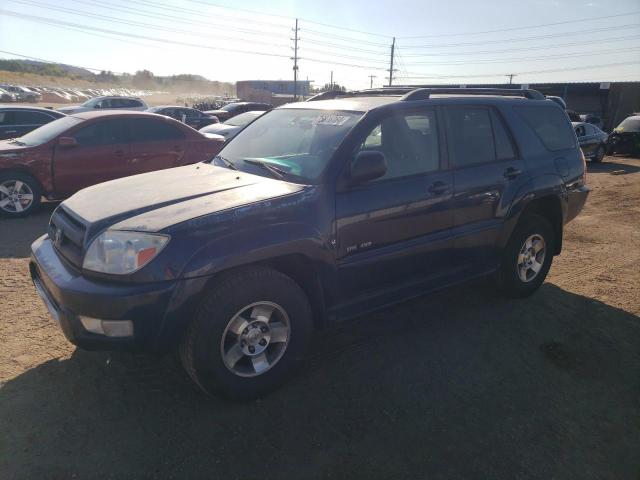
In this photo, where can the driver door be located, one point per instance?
(395, 230)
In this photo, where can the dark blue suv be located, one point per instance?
(316, 212)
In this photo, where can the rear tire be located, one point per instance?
(527, 257)
(20, 194)
(599, 155)
(249, 333)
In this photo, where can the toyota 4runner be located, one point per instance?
(316, 212)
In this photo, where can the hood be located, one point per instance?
(7, 147)
(156, 200)
(76, 109)
(219, 129)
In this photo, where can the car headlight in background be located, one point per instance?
(122, 252)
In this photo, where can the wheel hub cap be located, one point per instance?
(15, 196)
(531, 258)
(255, 339)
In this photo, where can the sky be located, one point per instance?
(458, 42)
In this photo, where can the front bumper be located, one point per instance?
(159, 311)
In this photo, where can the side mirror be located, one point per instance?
(97, 105)
(368, 166)
(67, 142)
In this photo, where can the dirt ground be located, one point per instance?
(463, 384)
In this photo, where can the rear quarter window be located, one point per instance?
(551, 126)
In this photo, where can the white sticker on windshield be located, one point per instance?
(331, 119)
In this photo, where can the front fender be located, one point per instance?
(257, 245)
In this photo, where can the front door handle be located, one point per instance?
(511, 172)
(438, 188)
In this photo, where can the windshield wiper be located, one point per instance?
(226, 162)
(16, 141)
(275, 171)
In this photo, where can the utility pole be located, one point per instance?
(511, 75)
(393, 51)
(295, 62)
(331, 82)
(371, 77)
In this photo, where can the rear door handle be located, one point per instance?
(512, 173)
(438, 188)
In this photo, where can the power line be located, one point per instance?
(480, 75)
(532, 59)
(536, 37)
(599, 18)
(54, 22)
(118, 20)
(521, 49)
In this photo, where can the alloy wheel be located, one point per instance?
(255, 339)
(15, 196)
(531, 258)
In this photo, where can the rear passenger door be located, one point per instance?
(394, 231)
(155, 144)
(487, 172)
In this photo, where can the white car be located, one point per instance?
(106, 103)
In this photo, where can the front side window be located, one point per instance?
(470, 135)
(580, 132)
(551, 125)
(409, 143)
(299, 142)
(109, 132)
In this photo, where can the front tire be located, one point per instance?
(20, 194)
(250, 332)
(527, 257)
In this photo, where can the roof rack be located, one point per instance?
(421, 93)
(425, 93)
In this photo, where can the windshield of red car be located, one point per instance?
(49, 131)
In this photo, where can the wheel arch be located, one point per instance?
(549, 207)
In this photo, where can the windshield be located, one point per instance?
(49, 131)
(230, 107)
(299, 142)
(90, 103)
(631, 124)
(242, 119)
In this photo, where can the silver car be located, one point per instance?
(231, 127)
(106, 103)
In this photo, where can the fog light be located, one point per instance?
(110, 328)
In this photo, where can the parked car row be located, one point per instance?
(33, 94)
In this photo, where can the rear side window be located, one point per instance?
(550, 125)
(470, 136)
(147, 130)
(31, 118)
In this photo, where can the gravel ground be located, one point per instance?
(462, 384)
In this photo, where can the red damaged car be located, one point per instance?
(77, 151)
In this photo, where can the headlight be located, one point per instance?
(120, 252)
